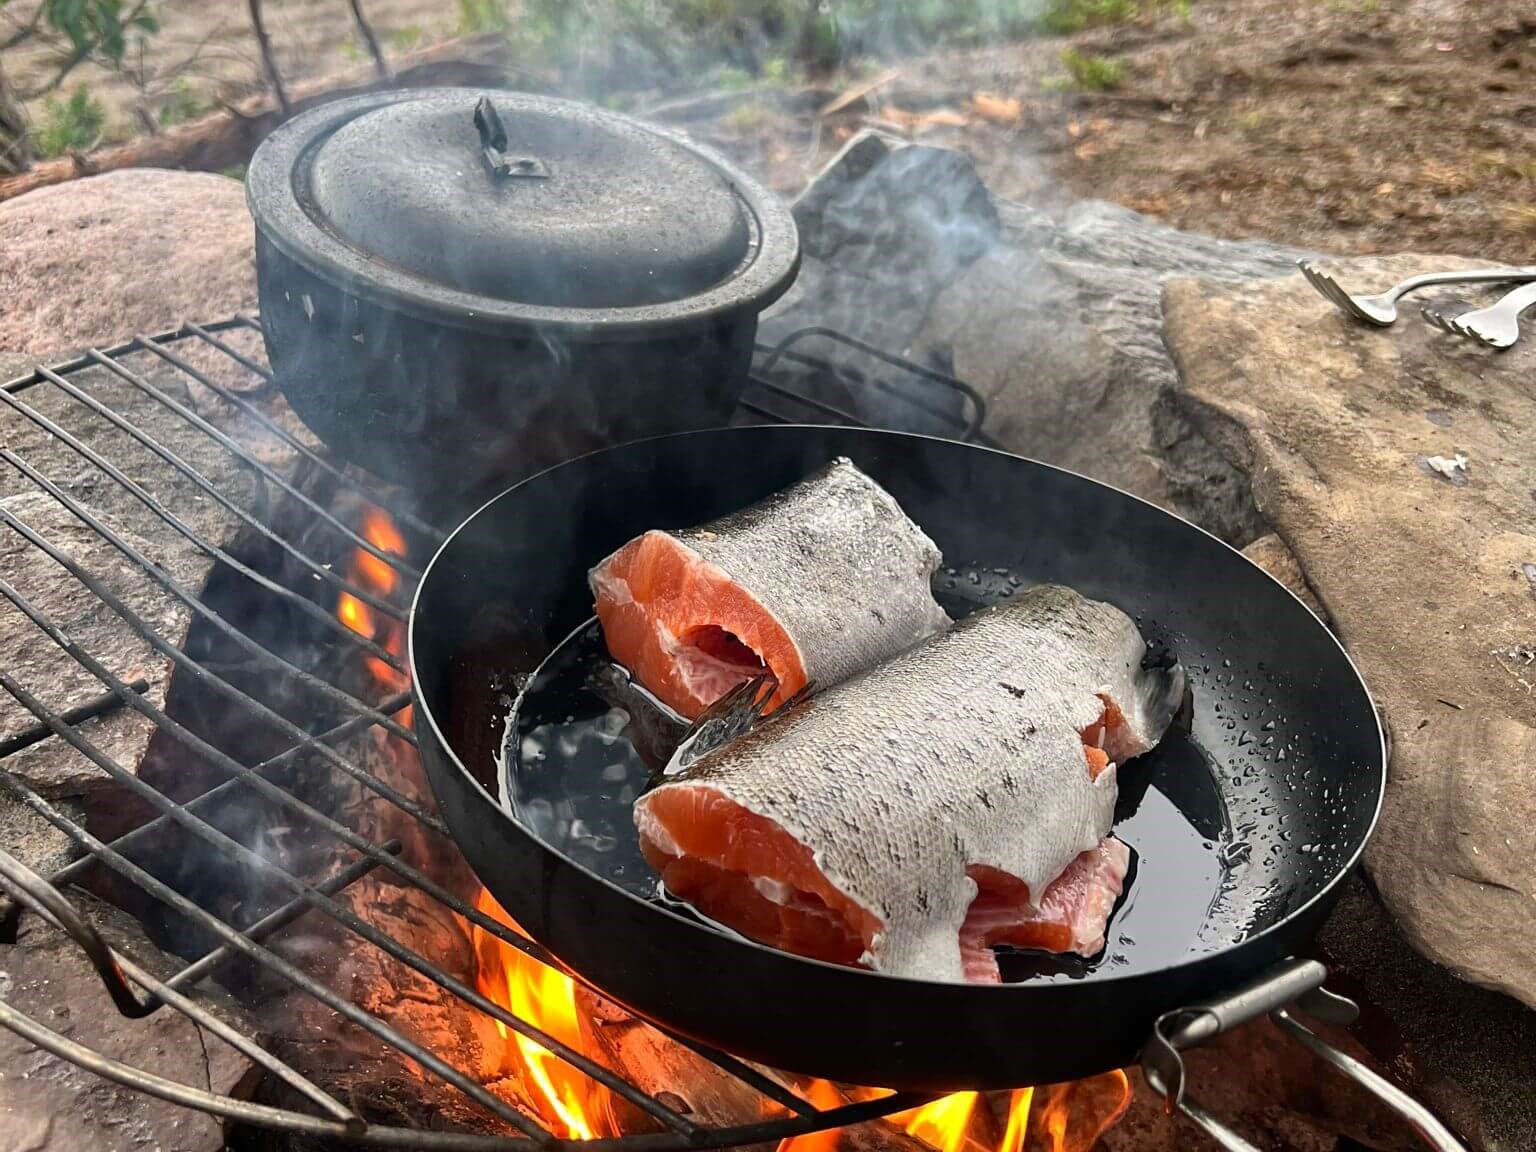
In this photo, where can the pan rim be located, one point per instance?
(1187, 962)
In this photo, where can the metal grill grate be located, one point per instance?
(785, 386)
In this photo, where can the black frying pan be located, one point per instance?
(1282, 830)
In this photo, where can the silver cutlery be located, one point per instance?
(1381, 308)
(1497, 326)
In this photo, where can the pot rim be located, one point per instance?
(768, 269)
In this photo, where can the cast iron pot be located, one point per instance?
(458, 286)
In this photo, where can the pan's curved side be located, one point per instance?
(509, 585)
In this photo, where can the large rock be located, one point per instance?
(1056, 322)
(107, 256)
(1425, 576)
(1060, 327)
(884, 227)
(93, 262)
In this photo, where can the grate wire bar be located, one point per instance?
(936, 403)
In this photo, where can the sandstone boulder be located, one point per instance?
(104, 257)
(1424, 575)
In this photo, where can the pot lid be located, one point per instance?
(481, 207)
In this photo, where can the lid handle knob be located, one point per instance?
(493, 147)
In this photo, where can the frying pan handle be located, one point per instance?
(1292, 981)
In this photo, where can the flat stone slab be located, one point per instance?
(48, 1104)
(94, 262)
(1427, 577)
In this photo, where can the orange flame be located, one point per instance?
(380, 531)
(1018, 1121)
(942, 1124)
(355, 614)
(367, 571)
(1071, 1117)
(574, 1106)
(823, 1094)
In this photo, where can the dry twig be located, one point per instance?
(268, 64)
(365, 30)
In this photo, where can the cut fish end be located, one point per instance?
(1071, 918)
(1107, 732)
(747, 872)
(684, 629)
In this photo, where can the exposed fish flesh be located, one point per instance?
(861, 825)
(1071, 916)
(815, 583)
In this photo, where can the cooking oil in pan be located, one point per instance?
(584, 741)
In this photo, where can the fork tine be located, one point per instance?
(1436, 320)
(1477, 332)
(1319, 280)
(1321, 283)
(1325, 285)
(1341, 296)
(1343, 299)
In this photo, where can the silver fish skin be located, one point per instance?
(837, 562)
(963, 751)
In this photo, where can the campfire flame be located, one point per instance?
(368, 572)
(1071, 1117)
(574, 1106)
(944, 1124)
(1018, 1121)
(823, 1094)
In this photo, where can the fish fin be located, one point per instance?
(729, 717)
(1162, 694)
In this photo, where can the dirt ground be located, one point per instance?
(1344, 125)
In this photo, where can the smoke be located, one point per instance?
(603, 47)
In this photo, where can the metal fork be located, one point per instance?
(1381, 309)
(1497, 326)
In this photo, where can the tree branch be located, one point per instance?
(381, 66)
(268, 65)
(23, 31)
(76, 58)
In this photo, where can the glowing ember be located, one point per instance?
(572, 1105)
(380, 531)
(355, 614)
